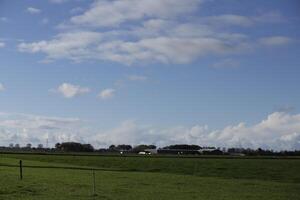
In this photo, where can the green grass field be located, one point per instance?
(149, 178)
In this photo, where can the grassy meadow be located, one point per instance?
(120, 177)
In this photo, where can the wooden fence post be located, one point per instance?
(21, 170)
(94, 183)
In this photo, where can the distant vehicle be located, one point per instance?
(144, 153)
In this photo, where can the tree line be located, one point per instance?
(171, 149)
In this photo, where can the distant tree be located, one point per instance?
(142, 147)
(28, 146)
(17, 146)
(11, 145)
(40, 146)
(123, 147)
(183, 147)
(151, 146)
(76, 147)
(112, 147)
(214, 152)
(87, 148)
(235, 150)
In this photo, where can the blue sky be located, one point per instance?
(126, 69)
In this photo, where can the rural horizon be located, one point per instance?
(149, 99)
(40, 129)
(196, 72)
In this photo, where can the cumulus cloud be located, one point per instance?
(165, 49)
(279, 131)
(120, 11)
(24, 128)
(69, 91)
(33, 10)
(275, 40)
(2, 88)
(107, 93)
(73, 45)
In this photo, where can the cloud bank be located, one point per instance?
(279, 131)
(24, 128)
(152, 31)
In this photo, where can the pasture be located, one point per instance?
(150, 177)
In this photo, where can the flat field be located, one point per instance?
(150, 177)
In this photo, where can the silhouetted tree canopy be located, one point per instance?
(75, 147)
(183, 147)
(123, 147)
(142, 147)
(112, 147)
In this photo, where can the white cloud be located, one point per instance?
(120, 11)
(137, 78)
(2, 44)
(33, 10)
(279, 131)
(69, 91)
(23, 129)
(2, 88)
(147, 31)
(107, 93)
(275, 40)
(73, 45)
(181, 48)
(164, 49)
(180, 44)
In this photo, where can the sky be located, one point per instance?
(221, 73)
